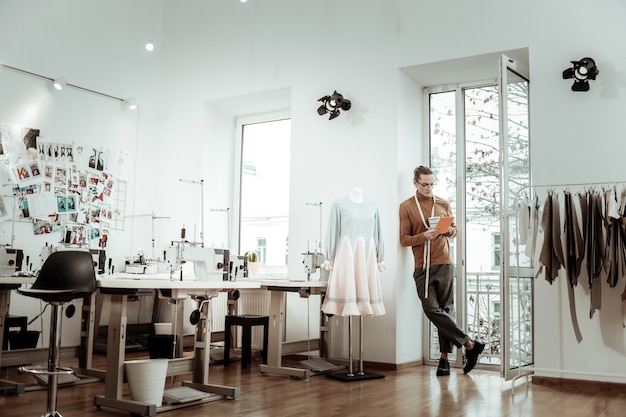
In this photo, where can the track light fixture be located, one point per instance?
(59, 83)
(131, 103)
(332, 104)
(582, 71)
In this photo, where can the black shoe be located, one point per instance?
(472, 356)
(444, 367)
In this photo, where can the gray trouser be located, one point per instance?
(438, 307)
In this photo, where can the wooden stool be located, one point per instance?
(246, 321)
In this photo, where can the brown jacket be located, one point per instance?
(412, 230)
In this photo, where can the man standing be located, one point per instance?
(434, 272)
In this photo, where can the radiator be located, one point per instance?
(254, 302)
(249, 302)
(219, 308)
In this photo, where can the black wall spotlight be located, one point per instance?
(332, 104)
(582, 71)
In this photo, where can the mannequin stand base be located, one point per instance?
(357, 376)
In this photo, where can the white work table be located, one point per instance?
(8, 284)
(279, 290)
(119, 287)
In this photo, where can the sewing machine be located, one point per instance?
(312, 261)
(99, 255)
(209, 264)
(239, 267)
(99, 260)
(10, 261)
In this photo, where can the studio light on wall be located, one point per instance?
(581, 71)
(332, 104)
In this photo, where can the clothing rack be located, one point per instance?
(572, 184)
(579, 184)
(528, 370)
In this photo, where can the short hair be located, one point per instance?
(421, 170)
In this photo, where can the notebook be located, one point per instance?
(444, 224)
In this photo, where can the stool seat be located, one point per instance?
(54, 296)
(246, 321)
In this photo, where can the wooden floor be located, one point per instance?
(408, 392)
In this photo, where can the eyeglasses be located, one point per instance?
(427, 185)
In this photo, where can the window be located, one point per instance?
(264, 189)
(261, 245)
(495, 251)
(495, 308)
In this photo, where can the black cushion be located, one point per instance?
(64, 276)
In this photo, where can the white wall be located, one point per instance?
(208, 52)
(40, 37)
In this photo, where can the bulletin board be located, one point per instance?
(61, 187)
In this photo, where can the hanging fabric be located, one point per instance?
(551, 255)
(573, 256)
(586, 236)
(622, 227)
(595, 248)
(615, 256)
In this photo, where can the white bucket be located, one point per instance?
(162, 328)
(146, 380)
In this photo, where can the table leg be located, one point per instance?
(179, 324)
(116, 347)
(87, 332)
(202, 343)
(5, 298)
(116, 344)
(275, 344)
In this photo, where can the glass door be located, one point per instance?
(479, 151)
(516, 277)
(443, 132)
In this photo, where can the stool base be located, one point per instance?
(52, 414)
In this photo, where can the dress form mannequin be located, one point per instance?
(353, 211)
(356, 195)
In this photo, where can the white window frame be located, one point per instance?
(241, 121)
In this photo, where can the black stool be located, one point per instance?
(64, 276)
(246, 321)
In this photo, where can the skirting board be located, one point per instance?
(578, 384)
